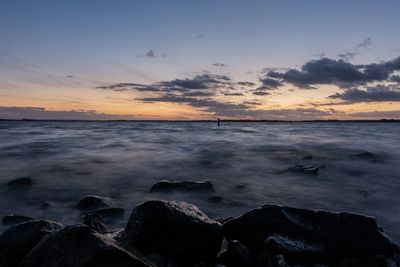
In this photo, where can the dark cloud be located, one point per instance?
(151, 53)
(395, 78)
(380, 93)
(219, 65)
(392, 114)
(233, 94)
(38, 113)
(269, 84)
(335, 72)
(243, 110)
(348, 56)
(246, 84)
(260, 92)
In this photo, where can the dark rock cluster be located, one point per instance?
(177, 234)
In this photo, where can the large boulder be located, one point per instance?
(164, 185)
(236, 255)
(343, 235)
(80, 246)
(18, 240)
(176, 230)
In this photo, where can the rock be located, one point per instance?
(18, 240)
(109, 213)
(367, 156)
(278, 261)
(20, 182)
(309, 157)
(303, 169)
(236, 255)
(95, 222)
(176, 230)
(12, 219)
(80, 246)
(215, 199)
(204, 186)
(372, 261)
(296, 251)
(46, 205)
(239, 187)
(344, 235)
(91, 202)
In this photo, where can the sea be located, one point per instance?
(358, 162)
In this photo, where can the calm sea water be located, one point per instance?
(121, 160)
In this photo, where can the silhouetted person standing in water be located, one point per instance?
(218, 121)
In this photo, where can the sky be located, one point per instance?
(188, 60)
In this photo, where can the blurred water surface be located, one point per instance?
(244, 161)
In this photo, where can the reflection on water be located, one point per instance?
(244, 161)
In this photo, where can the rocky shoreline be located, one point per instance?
(162, 233)
(172, 233)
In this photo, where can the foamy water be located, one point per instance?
(121, 160)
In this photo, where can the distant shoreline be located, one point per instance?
(282, 121)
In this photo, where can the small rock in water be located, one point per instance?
(20, 182)
(368, 156)
(308, 157)
(174, 229)
(91, 202)
(164, 185)
(240, 186)
(303, 169)
(46, 205)
(95, 222)
(18, 240)
(215, 199)
(12, 219)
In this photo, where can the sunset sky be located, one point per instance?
(289, 60)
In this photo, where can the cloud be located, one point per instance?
(367, 42)
(379, 93)
(395, 78)
(39, 113)
(151, 53)
(335, 72)
(348, 56)
(219, 65)
(393, 114)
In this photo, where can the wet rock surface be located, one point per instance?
(12, 219)
(18, 240)
(304, 235)
(177, 234)
(202, 186)
(176, 230)
(78, 245)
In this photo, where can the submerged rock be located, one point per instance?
(12, 219)
(80, 246)
(18, 240)
(92, 202)
(20, 182)
(303, 169)
(215, 199)
(176, 230)
(344, 235)
(109, 213)
(164, 185)
(309, 157)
